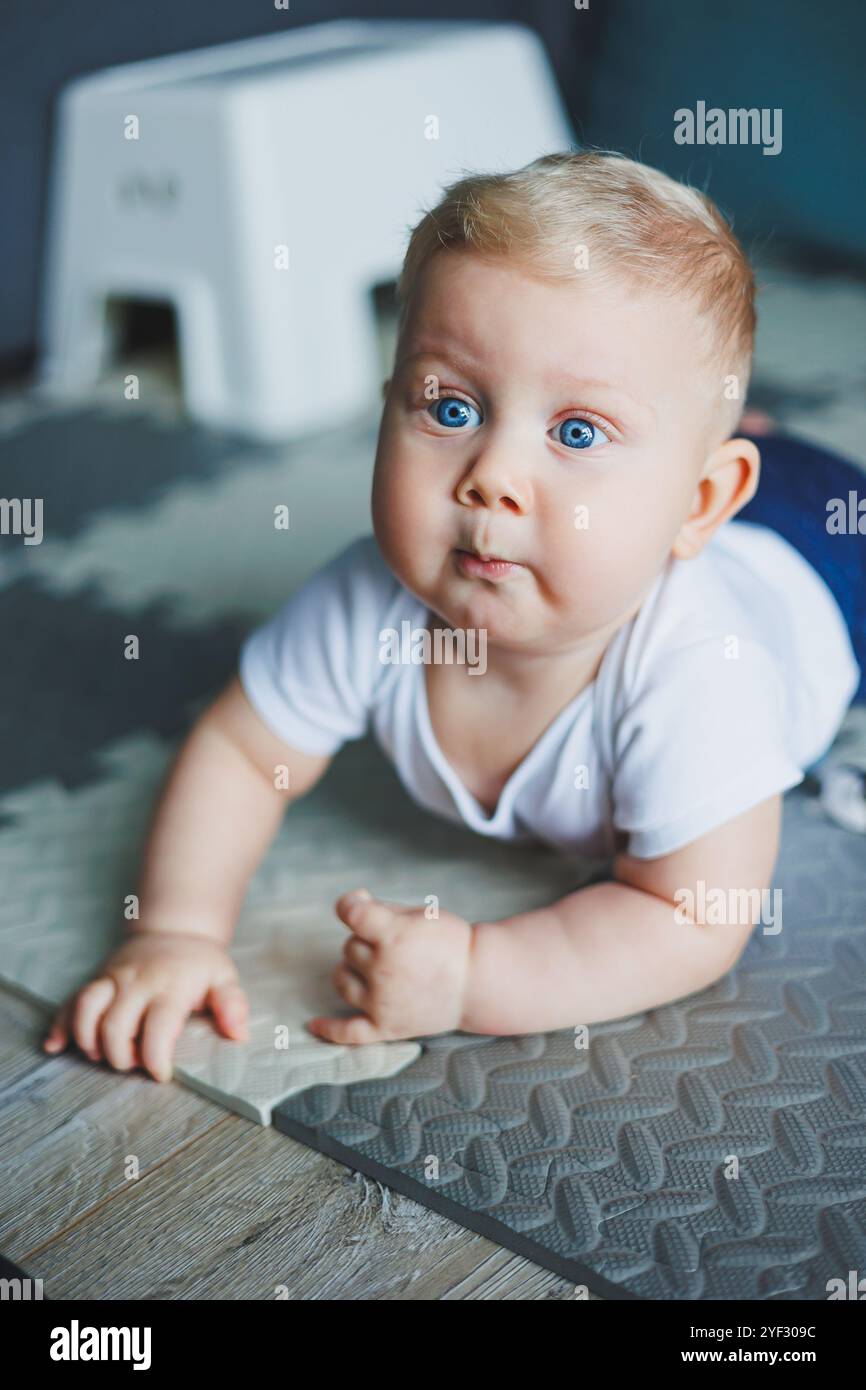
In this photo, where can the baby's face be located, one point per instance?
(518, 408)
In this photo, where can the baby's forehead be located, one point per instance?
(505, 321)
(462, 293)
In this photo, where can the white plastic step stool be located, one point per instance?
(327, 141)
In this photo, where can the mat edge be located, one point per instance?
(572, 1271)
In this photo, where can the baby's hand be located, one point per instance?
(134, 1010)
(406, 974)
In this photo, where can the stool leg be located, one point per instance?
(77, 343)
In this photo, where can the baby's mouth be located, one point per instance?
(475, 566)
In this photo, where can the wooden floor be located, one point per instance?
(115, 1187)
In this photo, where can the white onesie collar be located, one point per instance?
(471, 810)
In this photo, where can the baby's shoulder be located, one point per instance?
(357, 580)
(743, 583)
(726, 610)
(361, 561)
(354, 602)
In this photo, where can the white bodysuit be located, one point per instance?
(730, 682)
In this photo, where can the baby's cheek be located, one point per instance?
(584, 542)
(398, 490)
(393, 512)
(598, 569)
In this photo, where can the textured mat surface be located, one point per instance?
(711, 1149)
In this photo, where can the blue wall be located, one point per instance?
(806, 58)
(624, 67)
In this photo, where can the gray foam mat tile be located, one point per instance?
(711, 1149)
(83, 462)
(69, 692)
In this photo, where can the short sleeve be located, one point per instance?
(310, 671)
(702, 742)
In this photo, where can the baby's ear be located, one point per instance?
(385, 385)
(729, 479)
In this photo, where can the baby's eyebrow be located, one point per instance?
(612, 389)
(469, 364)
(464, 360)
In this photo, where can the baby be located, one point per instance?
(554, 485)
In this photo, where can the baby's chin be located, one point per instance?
(510, 619)
(510, 611)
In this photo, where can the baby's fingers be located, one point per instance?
(163, 1025)
(86, 1017)
(57, 1037)
(231, 1009)
(120, 1027)
(351, 1031)
(351, 986)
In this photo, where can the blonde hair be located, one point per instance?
(633, 221)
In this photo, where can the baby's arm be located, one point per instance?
(613, 949)
(216, 815)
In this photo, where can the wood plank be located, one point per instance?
(222, 1209)
(506, 1276)
(23, 1025)
(243, 1212)
(69, 1127)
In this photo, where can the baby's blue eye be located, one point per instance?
(454, 412)
(580, 434)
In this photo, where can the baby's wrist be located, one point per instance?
(171, 922)
(475, 1003)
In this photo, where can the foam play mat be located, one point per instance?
(711, 1149)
